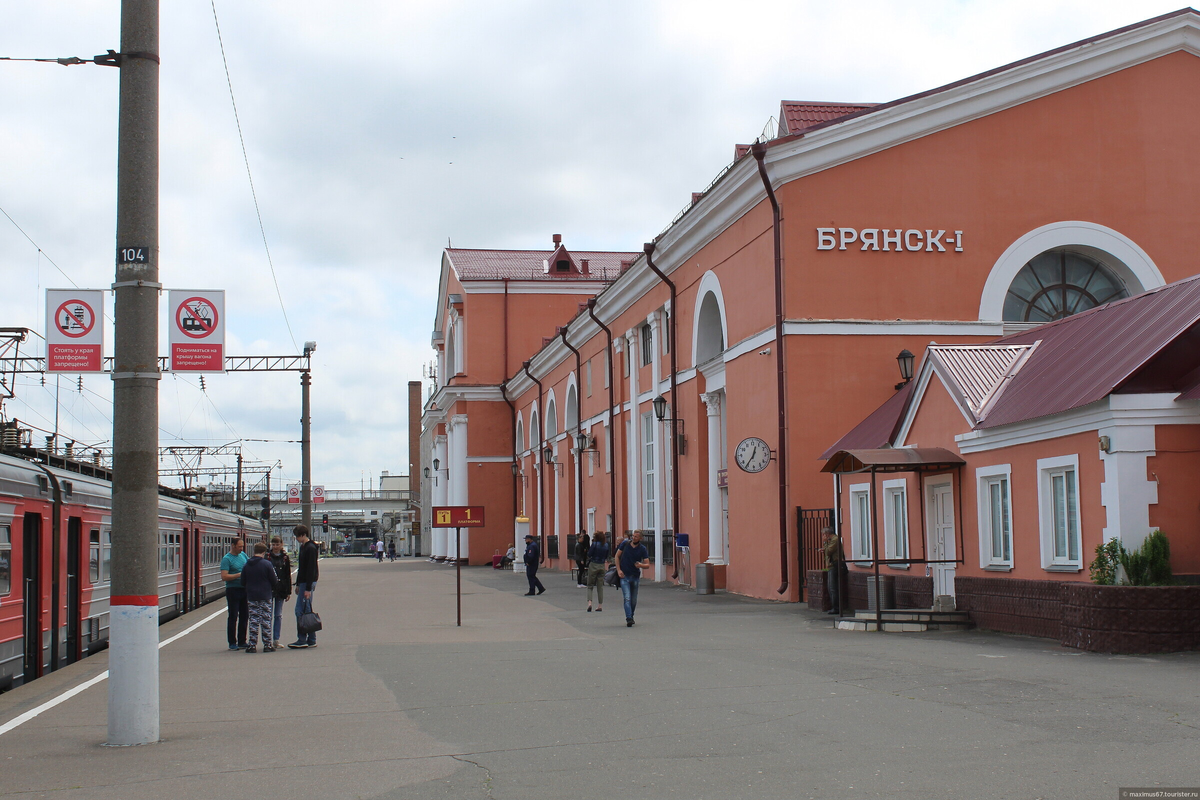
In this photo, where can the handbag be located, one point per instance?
(610, 577)
(309, 622)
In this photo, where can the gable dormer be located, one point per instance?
(561, 263)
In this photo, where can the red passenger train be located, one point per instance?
(55, 561)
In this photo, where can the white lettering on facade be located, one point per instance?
(912, 240)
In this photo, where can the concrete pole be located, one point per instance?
(305, 454)
(133, 702)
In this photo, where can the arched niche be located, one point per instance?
(709, 332)
(572, 417)
(519, 445)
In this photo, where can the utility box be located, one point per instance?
(704, 579)
(887, 592)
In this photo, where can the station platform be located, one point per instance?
(533, 697)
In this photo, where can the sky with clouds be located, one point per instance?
(378, 130)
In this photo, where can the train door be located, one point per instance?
(185, 571)
(32, 573)
(196, 565)
(74, 649)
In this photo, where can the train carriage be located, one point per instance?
(56, 560)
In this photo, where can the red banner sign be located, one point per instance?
(457, 516)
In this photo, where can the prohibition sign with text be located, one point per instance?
(75, 318)
(196, 317)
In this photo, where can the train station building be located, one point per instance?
(696, 385)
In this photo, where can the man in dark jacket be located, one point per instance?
(306, 584)
(258, 579)
(532, 553)
(581, 557)
(282, 563)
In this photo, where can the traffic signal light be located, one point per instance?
(325, 522)
(265, 502)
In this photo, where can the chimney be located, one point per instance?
(583, 266)
(557, 240)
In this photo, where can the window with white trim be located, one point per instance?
(1058, 506)
(895, 520)
(647, 340)
(648, 468)
(860, 521)
(995, 516)
(520, 448)
(587, 373)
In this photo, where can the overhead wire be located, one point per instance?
(250, 177)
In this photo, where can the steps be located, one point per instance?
(906, 620)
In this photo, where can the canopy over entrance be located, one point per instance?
(899, 459)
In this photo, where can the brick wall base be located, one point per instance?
(1012, 605)
(1130, 619)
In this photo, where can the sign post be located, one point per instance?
(74, 330)
(458, 517)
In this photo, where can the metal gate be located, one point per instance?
(810, 522)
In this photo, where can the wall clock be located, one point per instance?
(753, 454)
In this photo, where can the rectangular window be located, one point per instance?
(1058, 501)
(5, 559)
(587, 374)
(607, 365)
(648, 470)
(591, 521)
(608, 449)
(666, 332)
(625, 361)
(995, 517)
(895, 521)
(106, 553)
(860, 521)
(94, 555)
(647, 344)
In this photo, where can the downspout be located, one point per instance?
(541, 471)
(759, 150)
(578, 432)
(516, 468)
(648, 249)
(611, 444)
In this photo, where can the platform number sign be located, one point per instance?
(74, 330)
(457, 516)
(197, 330)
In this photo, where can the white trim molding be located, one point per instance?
(984, 478)
(1115, 250)
(1046, 468)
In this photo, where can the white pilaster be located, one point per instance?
(1127, 492)
(660, 457)
(440, 496)
(634, 479)
(716, 547)
(459, 495)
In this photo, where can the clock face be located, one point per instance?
(753, 454)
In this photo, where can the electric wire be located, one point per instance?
(253, 194)
(41, 252)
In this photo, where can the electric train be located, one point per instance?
(55, 562)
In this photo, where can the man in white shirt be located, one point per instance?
(379, 551)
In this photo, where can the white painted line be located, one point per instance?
(67, 695)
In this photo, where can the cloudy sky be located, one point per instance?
(376, 131)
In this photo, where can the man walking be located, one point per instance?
(833, 565)
(306, 584)
(379, 551)
(632, 558)
(235, 595)
(532, 553)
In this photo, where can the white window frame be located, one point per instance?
(649, 471)
(608, 449)
(860, 524)
(520, 443)
(591, 521)
(1048, 468)
(985, 479)
(893, 489)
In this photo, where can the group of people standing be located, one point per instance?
(378, 550)
(592, 557)
(256, 588)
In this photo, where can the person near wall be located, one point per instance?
(597, 560)
(306, 583)
(581, 558)
(632, 558)
(532, 552)
(235, 594)
(834, 566)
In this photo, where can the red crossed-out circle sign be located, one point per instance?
(75, 318)
(196, 317)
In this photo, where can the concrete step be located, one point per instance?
(906, 620)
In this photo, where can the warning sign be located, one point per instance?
(318, 494)
(197, 330)
(74, 330)
(293, 493)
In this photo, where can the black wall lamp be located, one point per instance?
(905, 360)
(660, 413)
(436, 467)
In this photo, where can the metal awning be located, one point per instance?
(898, 459)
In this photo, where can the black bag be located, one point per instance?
(610, 577)
(310, 622)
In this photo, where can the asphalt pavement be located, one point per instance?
(715, 698)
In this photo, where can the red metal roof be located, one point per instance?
(1085, 357)
(795, 117)
(878, 429)
(530, 265)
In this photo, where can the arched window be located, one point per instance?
(520, 435)
(710, 337)
(551, 419)
(572, 409)
(1059, 283)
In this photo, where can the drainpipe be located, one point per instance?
(541, 471)
(648, 249)
(759, 149)
(578, 432)
(611, 444)
(516, 466)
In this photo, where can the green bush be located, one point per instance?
(1149, 565)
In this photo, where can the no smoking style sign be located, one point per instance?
(74, 337)
(197, 337)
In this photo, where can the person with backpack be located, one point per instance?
(597, 558)
(282, 563)
(306, 584)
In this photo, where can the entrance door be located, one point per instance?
(74, 601)
(32, 575)
(940, 532)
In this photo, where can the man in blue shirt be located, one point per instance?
(235, 594)
(532, 554)
(632, 558)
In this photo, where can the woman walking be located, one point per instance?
(597, 558)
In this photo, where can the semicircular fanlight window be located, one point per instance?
(1059, 283)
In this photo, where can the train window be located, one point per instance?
(43, 484)
(94, 556)
(5, 559)
(106, 554)
(162, 552)
(68, 488)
